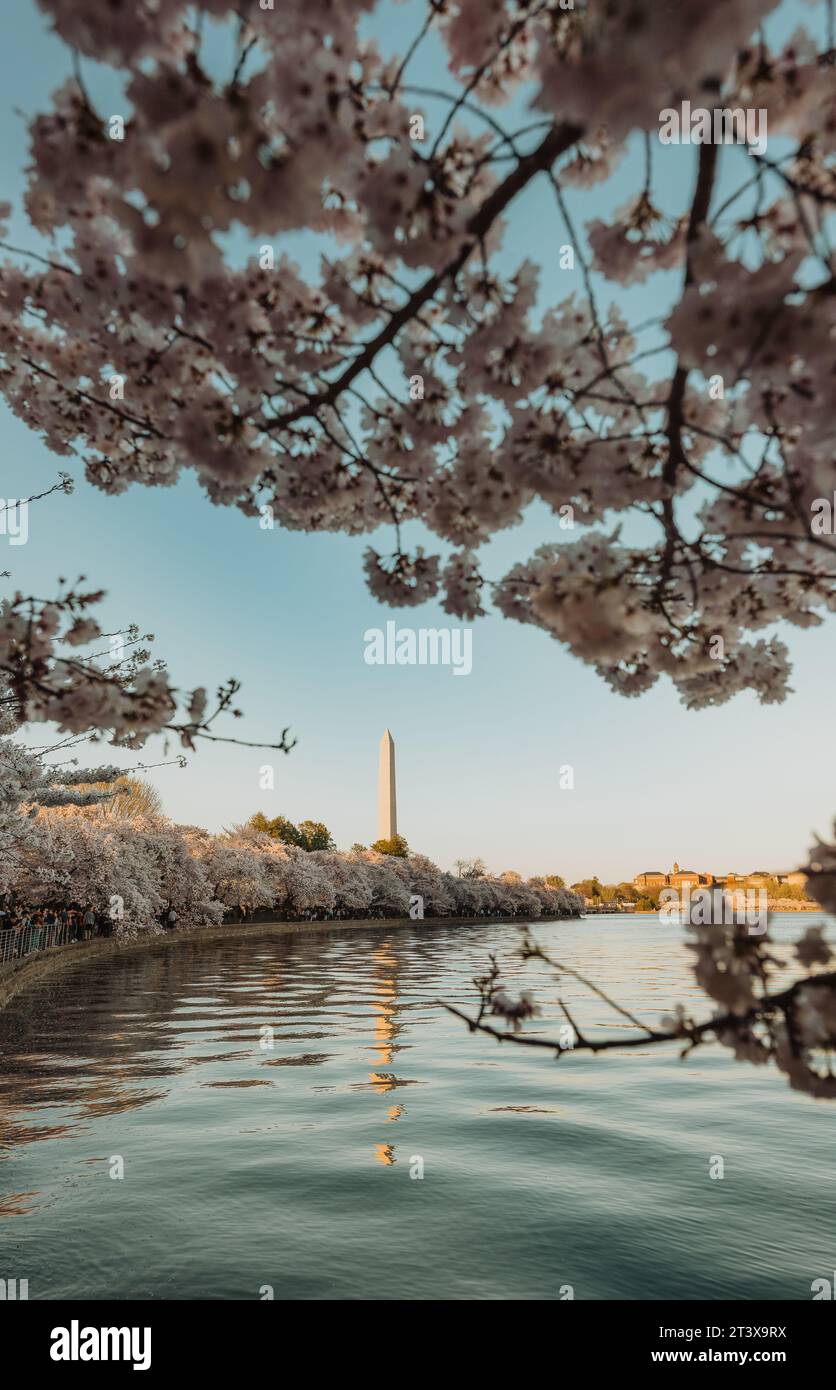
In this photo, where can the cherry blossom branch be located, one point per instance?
(559, 139)
(43, 683)
(786, 1027)
(692, 1033)
(64, 484)
(524, 400)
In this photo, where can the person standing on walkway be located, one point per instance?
(21, 926)
(36, 934)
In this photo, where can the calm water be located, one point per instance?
(289, 1166)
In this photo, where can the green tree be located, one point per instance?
(307, 835)
(589, 888)
(314, 835)
(279, 828)
(627, 892)
(554, 881)
(396, 845)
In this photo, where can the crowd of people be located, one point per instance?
(24, 929)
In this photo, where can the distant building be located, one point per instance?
(682, 877)
(653, 880)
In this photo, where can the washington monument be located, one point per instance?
(387, 814)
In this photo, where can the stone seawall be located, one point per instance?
(17, 974)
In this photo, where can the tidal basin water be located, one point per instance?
(247, 1166)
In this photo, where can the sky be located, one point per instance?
(479, 757)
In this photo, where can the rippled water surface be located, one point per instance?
(271, 1095)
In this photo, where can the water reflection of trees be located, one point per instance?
(83, 1042)
(109, 1036)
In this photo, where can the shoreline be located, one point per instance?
(17, 974)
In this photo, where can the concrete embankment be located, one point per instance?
(17, 974)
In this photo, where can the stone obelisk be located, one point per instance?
(387, 814)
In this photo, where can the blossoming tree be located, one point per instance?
(409, 378)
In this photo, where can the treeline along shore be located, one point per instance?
(128, 877)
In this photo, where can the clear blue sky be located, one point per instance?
(478, 757)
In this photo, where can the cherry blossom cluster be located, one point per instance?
(48, 674)
(26, 784)
(408, 378)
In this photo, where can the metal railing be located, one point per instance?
(16, 943)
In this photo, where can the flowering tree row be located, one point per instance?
(136, 870)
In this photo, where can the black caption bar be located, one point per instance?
(143, 1340)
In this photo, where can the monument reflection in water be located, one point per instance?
(376, 1132)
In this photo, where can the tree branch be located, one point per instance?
(558, 140)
